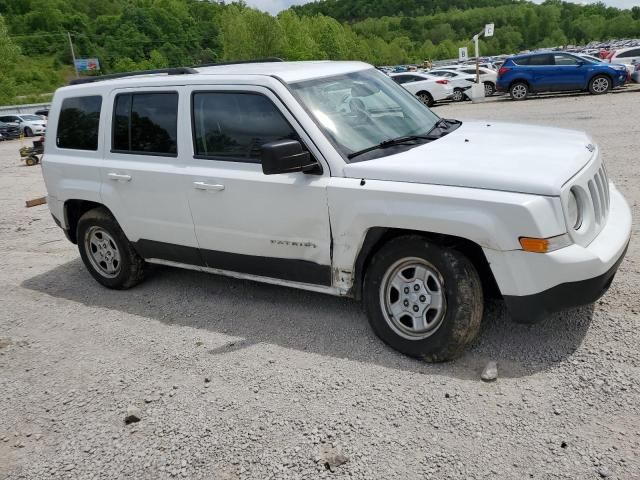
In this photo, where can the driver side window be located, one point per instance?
(233, 126)
(565, 60)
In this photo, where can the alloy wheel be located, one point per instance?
(519, 91)
(103, 252)
(600, 85)
(413, 299)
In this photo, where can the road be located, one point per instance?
(235, 379)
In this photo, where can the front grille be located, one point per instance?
(599, 192)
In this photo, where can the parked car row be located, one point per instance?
(9, 131)
(28, 124)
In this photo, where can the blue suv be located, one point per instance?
(557, 72)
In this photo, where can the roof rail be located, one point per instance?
(112, 76)
(241, 62)
(168, 71)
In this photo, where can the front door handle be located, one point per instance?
(208, 186)
(119, 176)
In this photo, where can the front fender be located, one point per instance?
(492, 219)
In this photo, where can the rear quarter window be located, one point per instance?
(79, 122)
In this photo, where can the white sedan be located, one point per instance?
(487, 76)
(427, 88)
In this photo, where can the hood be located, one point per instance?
(497, 156)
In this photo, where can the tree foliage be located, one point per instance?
(141, 34)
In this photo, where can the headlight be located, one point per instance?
(574, 212)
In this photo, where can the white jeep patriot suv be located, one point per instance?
(328, 176)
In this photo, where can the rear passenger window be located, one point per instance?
(522, 61)
(234, 126)
(541, 60)
(630, 53)
(78, 123)
(146, 123)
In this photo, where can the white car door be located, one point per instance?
(143, 177)
(269, 226)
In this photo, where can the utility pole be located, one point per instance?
(73, 55)
(487, 32)
(475, 40)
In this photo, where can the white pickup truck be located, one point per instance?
(328, 176)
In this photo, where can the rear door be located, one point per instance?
(271, 226)
(143, 179)
(542, 71)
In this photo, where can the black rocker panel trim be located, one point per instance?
(169, 251)
(293, 270)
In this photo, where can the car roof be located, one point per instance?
(289, 72)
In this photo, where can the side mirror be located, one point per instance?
(286, 156)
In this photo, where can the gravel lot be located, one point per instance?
(235, 379)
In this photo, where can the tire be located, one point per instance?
(489, 89)
(28, 132)
(458, 95)
(519, 91)
(426, 98)
(447, 321)
(30, 161)
(106, 251)
(599, 85)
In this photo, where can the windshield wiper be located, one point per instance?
(444, 124)
(390, 143)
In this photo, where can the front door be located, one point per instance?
(274, 226)
(570, 72)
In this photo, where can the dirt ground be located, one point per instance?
(235, 379)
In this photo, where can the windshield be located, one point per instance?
(362, 109)
(591, 59)
(30, 118)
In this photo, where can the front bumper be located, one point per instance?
(534, 308)
(534, 285)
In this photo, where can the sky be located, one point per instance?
(274, 6)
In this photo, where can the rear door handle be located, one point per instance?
(208, 186)
(119, 176)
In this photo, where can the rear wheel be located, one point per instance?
(458, 95)
(30, 161)
(28, 132)
(426, 98)
(519, 91)
(489, 89)
(106, 251)
(600, 84)
(423, 299)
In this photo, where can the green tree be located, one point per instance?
(9, 53)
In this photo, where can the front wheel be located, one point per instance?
(458, 95)
(28, 132)
(599, 84)
(426, 98)
(106, 251)
(423, 299)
